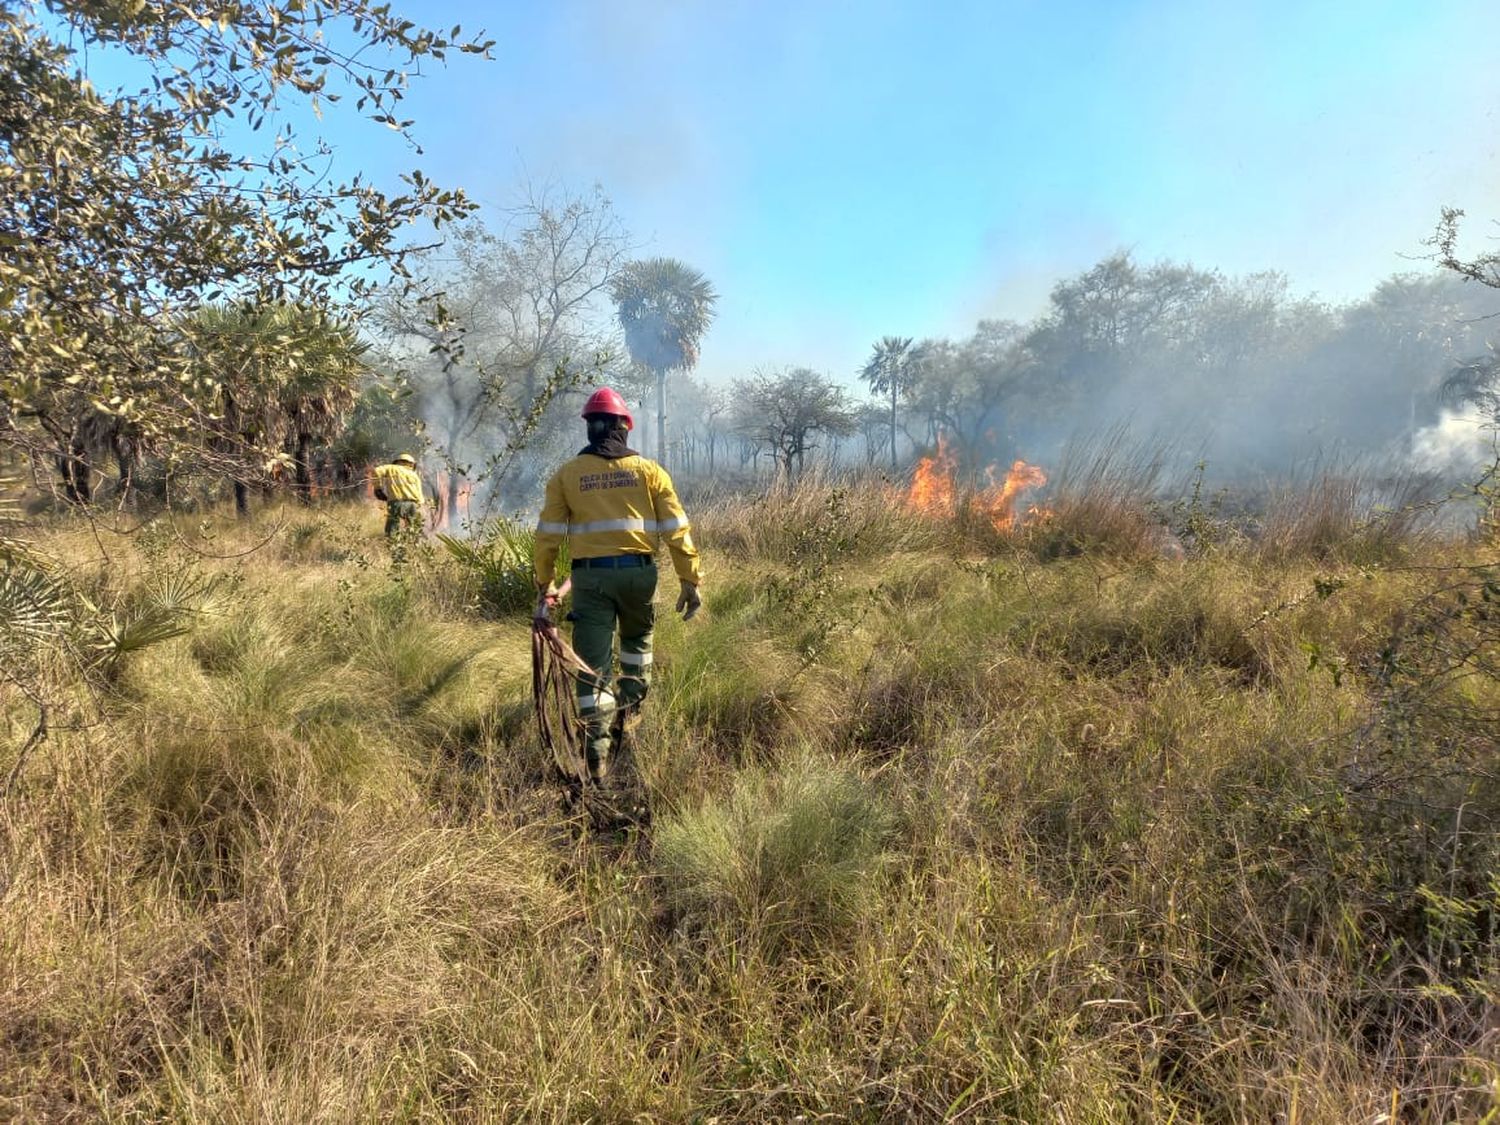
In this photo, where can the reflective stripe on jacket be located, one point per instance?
(619, 507)
(399, 483)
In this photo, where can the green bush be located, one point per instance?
(498, 557)
(786, 859)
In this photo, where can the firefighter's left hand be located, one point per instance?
(688, 601)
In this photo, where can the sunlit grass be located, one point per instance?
(941, 829)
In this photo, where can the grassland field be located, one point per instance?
(940, 825)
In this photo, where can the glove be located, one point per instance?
(546, 602)
(688, 601)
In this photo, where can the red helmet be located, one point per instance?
(606, 400)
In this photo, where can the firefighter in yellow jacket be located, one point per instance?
(614, 507)
(401, 488)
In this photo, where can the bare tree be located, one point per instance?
(505, 324)
(785, 412)
(1483, 268)
(717, 404)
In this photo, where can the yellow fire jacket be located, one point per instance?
(620, 507)
(399, 483)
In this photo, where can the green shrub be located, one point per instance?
(786, 859)
(498, 558)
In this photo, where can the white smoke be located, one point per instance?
(1459, 441)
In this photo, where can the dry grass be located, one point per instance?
(787, 522)
(1101, 500)
(1349, 515)
(1019, 835)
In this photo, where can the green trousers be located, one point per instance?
(604, 600)
(398, 512)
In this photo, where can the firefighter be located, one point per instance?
(614, 507)
(401, 488)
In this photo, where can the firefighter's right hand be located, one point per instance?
(688, 601)
(546, 602)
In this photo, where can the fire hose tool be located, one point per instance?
(554, 667)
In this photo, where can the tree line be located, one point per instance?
(189, 298)
(1238, 370)
(195, 307)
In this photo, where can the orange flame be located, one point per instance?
(998, 500)
(440, 496)
(934, 490)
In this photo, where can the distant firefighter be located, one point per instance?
(614, 507)
(401, 488)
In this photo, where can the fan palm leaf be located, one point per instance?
(665, 307)
(33, 609)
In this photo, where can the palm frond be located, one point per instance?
(33, 608)
(1475, 382)
(892, 364)
(185, 592)
(499, 557)
(114, 637)
(165, 610)
(13, 548)
(665, 307)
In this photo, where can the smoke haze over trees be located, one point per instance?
(500, 327)
(482, 333)
(1237, 370)
(1241, 372)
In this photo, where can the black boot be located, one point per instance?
(622, 730)
(598, 760)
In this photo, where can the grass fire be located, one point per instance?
(935, 490)
(880, 563)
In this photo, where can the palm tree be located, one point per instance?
(1475, 383)
(892, 367)
(665, 307)
(287, 378)
(83, 429)
(323, 366)
(87, 434)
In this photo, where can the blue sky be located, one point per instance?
(847, 170)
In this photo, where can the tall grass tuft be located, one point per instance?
(1101, 501)
(788, 858)
(1347, 515)
(853, 517)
